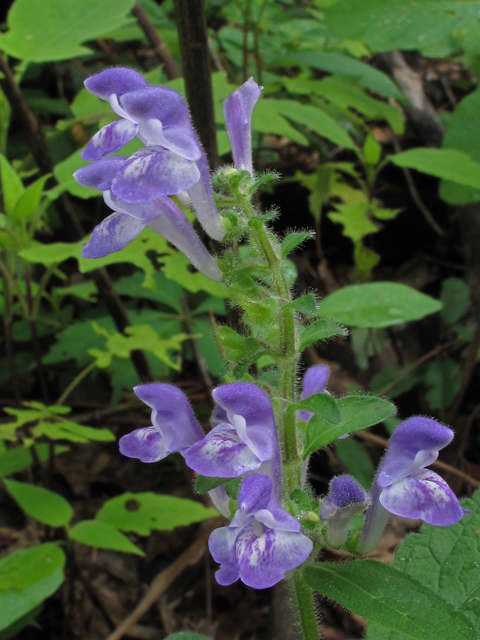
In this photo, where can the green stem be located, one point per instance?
(302, 600)
(76, 381)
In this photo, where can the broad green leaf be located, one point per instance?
(164, 290)
(372, 150)
(321, 404)
(144, 512)
(29, 201)
(357, 461)
(307, 305)
(48, 30)
(445, 560)
(357, 412)
(208, 347)
(316, 120)
(29, 619)
(455, 297)
(86, 106)
(52, 254)
(321, 330)
(337, 63)
(204, 484)
(267, 119)
(64, 170)
(39, 503)
(425, 25)
(5, 115)
(27, 578)
(11, 185)
(390, 598)
(71, 431)
(378, 304)
(177, 268)
(20, 458)
(443, 376)
(463, 134)
(103, 536)
(292, 240)
(448, 164)
(237, 347)
(355, 219)
(84, 290)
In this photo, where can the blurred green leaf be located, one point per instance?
(39, 503)
(356, 460)
(455, 297)
(12, 185)
(102, 536)
(448, 164)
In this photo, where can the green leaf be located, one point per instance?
(355, 219)
(52, 254)
(29, 201)
(267, 119)
(372, 150)
(448, 164)
(144, 512)
(27, 620)
(426, 25)
(204, 484)
(11, 184)
(394, 600)
(455, 297)
(103, 536)
(71, 431)
(39, 503)
(443, 376)
(321, 404)
(378, 304)
(307, 305)
(237, 347)
(356, 460)
(316, 120)
(321, 330)
(463, 134)
(48, 30)
(20, 458)
(445, 560)
(27, 578)
(292, 240)
(357, 413)
(177, 267)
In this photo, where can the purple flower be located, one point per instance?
(173, 160)
(345, 498)
(314, 381)
(403, 486)
(262, 542)
(244, 438)
(128, 220)
(238, 109)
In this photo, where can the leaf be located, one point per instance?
(204, 484)
(307, 305)
(71, 431)
(357, 413)
(144, 512)
(52, 254)
(20, 458)
(463, 134)
(455, 298)
(321, 330)
(267, 119)
(316, 120)
(27, 578)
(102, 536)
(321, 404)
(48, 30)
(445, 560)
(292, 240)
(426, 25)
(162, 290)
(39, 503)
(337, 63)
(378, 304)
(444, 379)
(11, 184)
(392, 599)
(449, 164)
(177, 267)
(29, 201)
(356, 460)
(355, 219)
(237, 347)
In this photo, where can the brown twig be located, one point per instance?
(371, 437)
(467, 371)
(171, 68)
(165, 578)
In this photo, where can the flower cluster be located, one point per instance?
(137, 188)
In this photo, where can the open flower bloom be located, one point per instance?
(403, 486)
(128, 220)
(244, 438)
(238, 109)
(262, 542)
(173, 160)
(345, 498)
(174, 429)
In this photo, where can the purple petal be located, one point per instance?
(113, 234)
(222, 547)
(255, 493)
(172, 224)
(178, 138)
(274, 517)
(221, 454)
(115, 81)
(238, 109)
(143, 212)
(314, 381)
(249, 401)
(154, 172)
(219, 416)
(145, 444)
(100, 174)
(425, 496)
(157, 103)
(201, 195)
(110, 139)
(345, 490)
(264, 560)
(172, 415)
(414, 444)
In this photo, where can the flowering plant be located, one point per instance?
(264, 428)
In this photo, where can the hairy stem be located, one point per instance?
(302, 600)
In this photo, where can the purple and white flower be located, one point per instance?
(345, 498)
(262, 542)
(238, 109)
(244, 438)
(405, 487)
